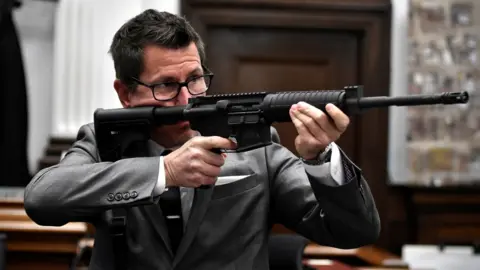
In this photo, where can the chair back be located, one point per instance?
(286, 251)
(3, 251)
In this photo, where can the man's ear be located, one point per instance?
(123, 92)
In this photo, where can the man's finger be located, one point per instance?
(213, 142)
(311, 124)
(209, 180)
(321, 125)
(199, 179)
(301, 128)
(340, 119)
(209, 170)
(212, 158)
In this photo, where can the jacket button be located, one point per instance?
(126, 196)
(133, 195)
(110, 197)
(118, 196)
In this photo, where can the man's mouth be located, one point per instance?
(183, 124)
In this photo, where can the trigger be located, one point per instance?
(217, 150)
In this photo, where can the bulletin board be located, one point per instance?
(443, 142)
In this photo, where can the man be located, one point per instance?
(159, 60)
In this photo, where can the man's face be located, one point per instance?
(165, 65)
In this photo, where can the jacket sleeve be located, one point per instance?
(80, 187)
(307, 200)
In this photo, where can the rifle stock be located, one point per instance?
(246, 117)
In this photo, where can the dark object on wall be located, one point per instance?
(13, 107)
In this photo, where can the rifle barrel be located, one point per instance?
(414, 100)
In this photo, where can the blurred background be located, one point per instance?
(422, 163)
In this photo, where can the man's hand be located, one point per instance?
(315, 130)
(194, 164)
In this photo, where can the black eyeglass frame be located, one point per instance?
(180, 85)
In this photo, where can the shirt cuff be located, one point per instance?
(336, 165)
(160, 186)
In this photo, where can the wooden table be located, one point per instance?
(45, 247)
(365, 258)
(325, 264)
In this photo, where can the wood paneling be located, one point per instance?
(269, 59)
(445, 215)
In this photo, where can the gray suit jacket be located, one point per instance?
(228, 225)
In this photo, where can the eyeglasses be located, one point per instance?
(166, 91)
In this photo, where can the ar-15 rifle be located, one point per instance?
(247, 117)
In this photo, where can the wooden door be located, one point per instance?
(270, 59)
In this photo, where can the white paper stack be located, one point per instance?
(432, 257)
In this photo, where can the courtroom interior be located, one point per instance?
(422, 163)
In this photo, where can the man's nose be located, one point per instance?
(183, 96)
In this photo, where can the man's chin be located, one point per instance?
(184, 129)
(185, 125)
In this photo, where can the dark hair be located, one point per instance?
(150, 27)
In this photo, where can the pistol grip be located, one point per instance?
(216, 151)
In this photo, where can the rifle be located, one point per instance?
(246, 117)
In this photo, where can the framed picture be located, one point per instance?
(463, 48)
(413, 53)
(463, 161)
(431, 15)
(440, 159)
(461, 14)
(415, 82)
(417, 161)
(416, 128)
(431, 82)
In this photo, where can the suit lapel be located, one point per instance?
(199, 207)
(154, 212)
(155, 216)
